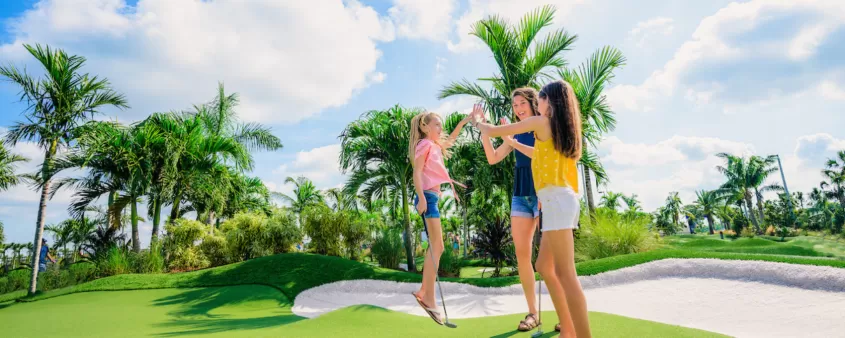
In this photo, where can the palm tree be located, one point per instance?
(56, 106)
(632, 202)
(589, 81)
(708, 202)
(610, 200)
(760, 169)
(62, 234)
(740, 181)
(338, 200)
(522, 60)
(375, 149)
(8, 162)
(673, 206)
(835, 173)
(305, 194)
(221, 121)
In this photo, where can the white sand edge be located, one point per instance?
(738, 298)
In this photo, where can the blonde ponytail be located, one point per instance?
(417, 134)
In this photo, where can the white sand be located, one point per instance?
(737, 298)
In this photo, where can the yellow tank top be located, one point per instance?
(549, 167)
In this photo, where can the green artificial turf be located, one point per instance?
(260, 311)
(296, 272)
(746, 245)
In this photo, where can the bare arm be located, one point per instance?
(457, 132)
(494, 155)
(535, 123)
(527, 150)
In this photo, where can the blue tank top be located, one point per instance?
(523, 184)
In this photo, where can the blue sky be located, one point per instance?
(747, 77)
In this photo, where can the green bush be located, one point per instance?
(151, 260)
(355, 232)
(747, 232)
(245, 235)
(115, 262)
(388, 249)
(612, 234)
(83, 271)
(54, 278)
(324, 227)
(216, 249)
(282, 232)
(450, 262)
(180, 252)
(739, 223)
(17, 279)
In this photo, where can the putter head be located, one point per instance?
(450, 325)
(537, 334)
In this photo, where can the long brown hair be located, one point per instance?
(565, 117)
(530, 95)
(417, 134)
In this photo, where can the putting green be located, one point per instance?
(262, 311)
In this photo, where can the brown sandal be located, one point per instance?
(433, 313)
(529, 323)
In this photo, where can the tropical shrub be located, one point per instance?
(179, 245)
(245, 235)
(612, 234)
(324, 227)
(388, 249)
(282, 232)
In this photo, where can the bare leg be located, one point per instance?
(562, 248)
(546, 268)
(435, 239)
(522, 229)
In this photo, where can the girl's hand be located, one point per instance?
(422, 206)
(507, 138)
(478, 114)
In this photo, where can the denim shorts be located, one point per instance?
(431, 199)
(525, 206)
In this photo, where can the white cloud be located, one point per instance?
(732, 35)
(817, 148)
(168, 55)
(423, 19)
(320, 165)
(674, 149)
(507, 9)
(832, 91)
(645, 31)
(680, 163)
(804, 45)
(440, 66)
(462, 104)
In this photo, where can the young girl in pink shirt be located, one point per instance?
(427, 150)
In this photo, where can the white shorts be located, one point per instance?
(561, 208)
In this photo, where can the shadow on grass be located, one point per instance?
(216, 309)
(215, 325)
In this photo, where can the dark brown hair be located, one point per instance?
(530, 95)
(565, 116)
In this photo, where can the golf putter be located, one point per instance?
(539, 332)
(447, 323)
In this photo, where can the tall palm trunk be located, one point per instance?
(111, 218)
(760, 204)
(710, 223)
(42, 212)
(136, 242)
(466, 231)
(750, 209)
(174, 212)
(589, 190)
(409, 247)
(156, 200)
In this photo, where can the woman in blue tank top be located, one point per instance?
(524, 205)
